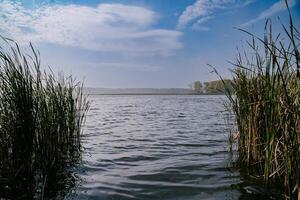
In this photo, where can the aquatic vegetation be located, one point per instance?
(41, 116)
(266, 104)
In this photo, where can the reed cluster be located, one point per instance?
(266, 105)
(40, 123)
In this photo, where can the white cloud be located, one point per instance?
(275, 8)
(202, 9)
(198, 25)
(107, 27)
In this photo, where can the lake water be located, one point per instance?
(158, 147)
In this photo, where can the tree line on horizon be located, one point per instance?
(211, 87)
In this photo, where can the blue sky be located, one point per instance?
(139, 43)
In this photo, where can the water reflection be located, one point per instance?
(156, 147)
(151, 147)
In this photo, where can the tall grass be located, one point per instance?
(40, 123)
(266, 104)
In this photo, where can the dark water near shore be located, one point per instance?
(158, 147)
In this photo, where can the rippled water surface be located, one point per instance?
(157, 147)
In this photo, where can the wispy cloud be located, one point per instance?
(107, 27)
(202, 9)
(199, 24)
(274, 9)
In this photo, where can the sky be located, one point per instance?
(139, 43)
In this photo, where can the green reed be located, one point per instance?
(266, 105)
(41, 116)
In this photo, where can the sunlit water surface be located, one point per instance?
(158, 147)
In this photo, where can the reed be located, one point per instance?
(266, 105)
(41, 116)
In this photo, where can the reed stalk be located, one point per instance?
(41, 116)
(266, 105)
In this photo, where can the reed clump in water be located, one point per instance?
(266, 104)
(40, 123)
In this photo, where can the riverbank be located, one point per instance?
(145, 91)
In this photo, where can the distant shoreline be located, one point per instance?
(144, 91)
(153, 94)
